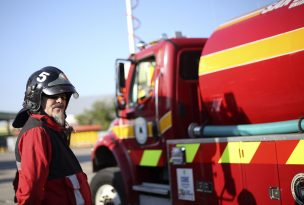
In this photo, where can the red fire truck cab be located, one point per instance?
(210, 121)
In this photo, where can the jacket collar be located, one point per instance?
(49, 121)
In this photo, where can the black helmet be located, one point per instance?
(48, 80)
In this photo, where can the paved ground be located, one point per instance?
(8, 169)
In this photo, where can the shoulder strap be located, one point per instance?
(31, 123)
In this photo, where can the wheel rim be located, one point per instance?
(107, 195)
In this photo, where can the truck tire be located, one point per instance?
(106, 187)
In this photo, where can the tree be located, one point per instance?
(102, 112)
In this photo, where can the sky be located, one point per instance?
(84, 37)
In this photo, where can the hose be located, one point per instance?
(282, 127)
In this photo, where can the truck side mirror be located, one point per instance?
(120, 101)
(122, 71)
(121, 76)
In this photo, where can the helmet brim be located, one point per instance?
(61, 89)
(21, 118)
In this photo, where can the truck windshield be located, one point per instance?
(143, 82)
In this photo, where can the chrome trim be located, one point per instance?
(161, 189)
(157, 101)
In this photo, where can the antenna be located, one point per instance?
(130, 26)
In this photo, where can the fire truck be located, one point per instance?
(215, 121)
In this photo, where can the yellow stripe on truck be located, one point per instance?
(150, 158)
(239, 152)
(297, 155)
(165, 122)
(275, 46)
(231, 153)
(127, 131)
(191, 150)
(124, 131)
(248, 149)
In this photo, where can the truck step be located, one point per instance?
(152, 188)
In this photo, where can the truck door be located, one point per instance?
(260, 173)
(186, 91)
(258, 162)
(142, 100)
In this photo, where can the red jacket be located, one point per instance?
(48, 171)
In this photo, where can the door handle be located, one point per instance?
(274, 193)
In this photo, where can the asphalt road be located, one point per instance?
(8, 170)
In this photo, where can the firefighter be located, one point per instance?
(48, 171)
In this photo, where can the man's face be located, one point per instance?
(54, 106)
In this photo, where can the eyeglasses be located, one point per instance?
(55, 97)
